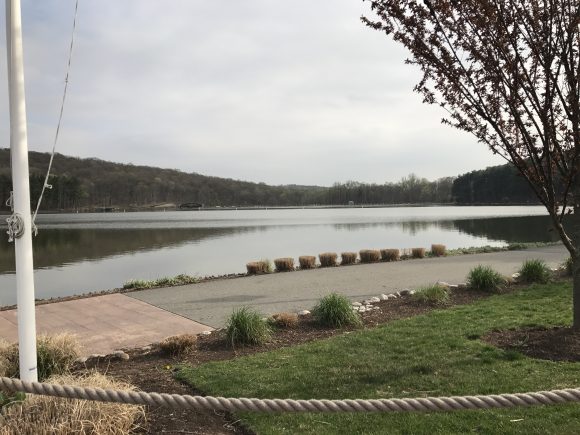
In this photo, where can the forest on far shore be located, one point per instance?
(93, 184)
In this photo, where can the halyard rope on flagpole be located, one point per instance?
(198, 403)
(45, 185)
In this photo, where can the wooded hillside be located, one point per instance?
(89, 184)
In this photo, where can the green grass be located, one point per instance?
(432, 295)
(335, 311)
(535, 271)
(246, 327)
(160, 282)
(431, 355)
(485, 278)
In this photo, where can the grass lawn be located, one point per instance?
(431, 355)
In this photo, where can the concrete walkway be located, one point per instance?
(212, 302)
(104, 323)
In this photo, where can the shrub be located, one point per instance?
(390, 255)
(257, 267)
(49, 415)
(485, 278)
(432, 295)
(348, 258)
(438, 250)
(284, 264)
(535, 271)
(335, 310)
(245, 326)
(137, 283)
(307, 261)
(284, 320)
(178, 344)
(55, 355)
(418, 252)
(327, 259)
(369, 256)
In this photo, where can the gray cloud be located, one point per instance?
(280, 92)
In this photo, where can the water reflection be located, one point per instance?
(57, 247)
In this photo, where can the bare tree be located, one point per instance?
(507, 71)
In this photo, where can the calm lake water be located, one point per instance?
(77, 253)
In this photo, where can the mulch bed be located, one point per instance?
(152, 371)
(554, 344)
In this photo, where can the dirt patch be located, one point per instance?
(152, 371)
(554, 344)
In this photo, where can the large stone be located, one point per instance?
(384, 297)
(303, 313)
(405, 292)
(516, 276)
(453, 287)
(356, 304)
(119, 354)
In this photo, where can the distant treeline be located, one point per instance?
(494, 185)
(89, 184)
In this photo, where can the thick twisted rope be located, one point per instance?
(198, 403)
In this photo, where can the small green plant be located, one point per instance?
(432, 295)
(335, 310)
(535, 271)
(137, 283)
(10, 398)
(485, 278)
(245, 326)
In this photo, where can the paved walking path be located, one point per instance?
(212, 302)
(104, 323)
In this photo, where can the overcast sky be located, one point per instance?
(275, 91)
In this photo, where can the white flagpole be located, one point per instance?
(21, 196)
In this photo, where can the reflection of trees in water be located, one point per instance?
(56, 247)
(509, 229)
(522, 229)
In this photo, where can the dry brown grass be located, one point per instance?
(284, 264)
(390, 254)
(348, 257)
(285, 320)
(178, 344)
(438, 250)
(43, 415)
(369, 256)
(56, 354)
(327, 259)
(418, 252)
(257, 267)
(307, 261)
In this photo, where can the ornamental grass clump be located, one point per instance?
(307, 261)
(370, 256)
(327, 259)
(258, 267)
(55, 356)
(438, 250)
(284, 320)
(138, 283)
(418, 252)
(49, 415)
(431, 295)
(348, 258)
(390, 254)
(284, 264)
(178, 344)
(484, 278)
(535, 271)
(246, 327)
(335, 311)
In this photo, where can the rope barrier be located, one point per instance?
(199, 403)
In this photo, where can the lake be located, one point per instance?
(78, 253)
